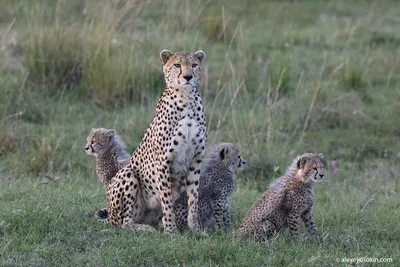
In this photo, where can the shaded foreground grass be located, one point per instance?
(47, 224)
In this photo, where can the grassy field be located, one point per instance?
(281, 78)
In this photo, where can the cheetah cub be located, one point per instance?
(217, 179)
(111, 156)
(110, 153)
(288, 199)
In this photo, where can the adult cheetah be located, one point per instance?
(217, 180)
(170, 155)
(288, 199)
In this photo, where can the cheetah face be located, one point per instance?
(312, 167)
(231, 155)
(98, 141)
(240, 162)
(182, 70)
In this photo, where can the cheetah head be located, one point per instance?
(182, 70)
(99, 141)
(230, 155)
(311, 167)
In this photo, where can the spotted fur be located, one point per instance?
(169, 157)
(217, 180)
(288, 199)
(109, 150)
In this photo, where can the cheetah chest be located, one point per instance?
(187, 141)
(300, 199)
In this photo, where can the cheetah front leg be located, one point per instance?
(227, 217)
(165, 190)
(308, 220)
(293, 223)
(192, 190)
(221, 214)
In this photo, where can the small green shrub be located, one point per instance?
(53, 56)
(352, 78)
(281, 78)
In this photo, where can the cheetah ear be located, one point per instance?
(222, 154)
(110, 133)
(200, 55)
(321, 155)
(165, 55)
(302, 162)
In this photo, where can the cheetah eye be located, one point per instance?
(177, 65)
(315, 169)
(194, 65)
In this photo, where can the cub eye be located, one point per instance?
(315, 169)
(177, 65)
(194, 65)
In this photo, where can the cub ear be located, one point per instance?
(302, 162)
(110, 133)
(200, 55)
(165, 55)
(223, 152)
(321, 155)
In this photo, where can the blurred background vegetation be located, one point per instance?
(281, 78)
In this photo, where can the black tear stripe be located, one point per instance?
(180, 72)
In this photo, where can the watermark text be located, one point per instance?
(364, 260)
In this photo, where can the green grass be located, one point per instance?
(46, 222)
(281, 78)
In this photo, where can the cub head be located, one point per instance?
(311, 167)
(182, 70)
(229, 155)
(99, 141)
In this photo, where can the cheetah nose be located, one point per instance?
(188, 77)
(321, 176)
(87, 148)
